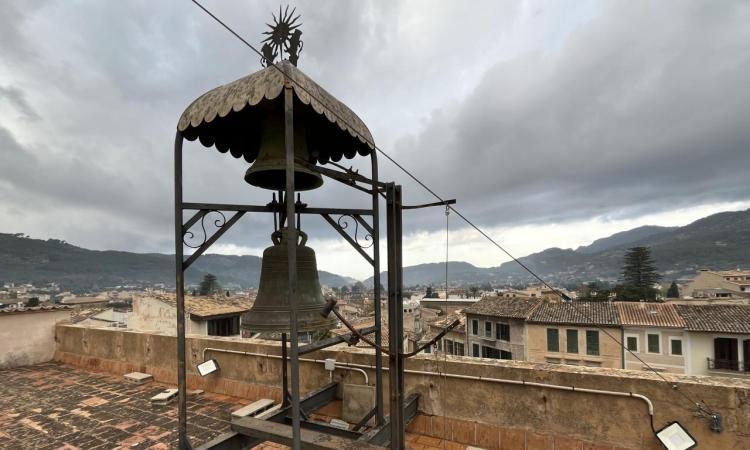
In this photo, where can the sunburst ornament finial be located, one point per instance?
(284, 37)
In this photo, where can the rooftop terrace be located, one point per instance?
(489, 404)
(52, 406)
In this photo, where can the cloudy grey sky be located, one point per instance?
(551, 123)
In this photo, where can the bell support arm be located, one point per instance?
(346, 176)
(351, 240)
(209, 242)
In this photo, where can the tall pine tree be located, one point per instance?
(673, 291)
(210, 285)
(639, 275)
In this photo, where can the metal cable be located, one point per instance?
(698, 405)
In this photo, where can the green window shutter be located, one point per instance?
(653, 343)
(553, 340)
(592, 342)
(572, 338)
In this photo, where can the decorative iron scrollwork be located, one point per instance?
(343, 222)
(219, 223)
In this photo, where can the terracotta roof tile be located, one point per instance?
(716, 318)
(649, 314)
(32, 309)
(576, 313)
(205, 307)
(512, 308)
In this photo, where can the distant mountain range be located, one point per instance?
(26, 260)
(719, 241)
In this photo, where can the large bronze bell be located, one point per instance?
(270, 312)
(269, 169)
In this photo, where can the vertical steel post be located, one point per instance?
(379, 416)
(284, 367)
(395, 315)
(292, 255)
(183, 441)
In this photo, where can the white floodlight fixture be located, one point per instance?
(208, 367)
(675, 437)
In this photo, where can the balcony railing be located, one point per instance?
(728, 364)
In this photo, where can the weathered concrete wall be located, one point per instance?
(610, 354)
(475, 411)
(150, 314)
(28, 337)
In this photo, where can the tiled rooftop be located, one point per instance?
(204, 307)
(510, 308)
(649, 314)
(716, 318)
(576, 313)
(53, 406)
(33, 309)
(445, 321)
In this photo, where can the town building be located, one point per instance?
(27, 334)
(719, 284)
(207, 316)
(653, 335)
(453, 342)
(577, 333)
(718, 339)
(497, 327)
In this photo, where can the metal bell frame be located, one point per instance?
(387, 430)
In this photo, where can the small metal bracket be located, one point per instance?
(716, 423)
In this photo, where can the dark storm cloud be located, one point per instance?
(644, 109)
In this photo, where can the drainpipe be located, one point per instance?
(353, 366)
(622, 347)
(339, 364)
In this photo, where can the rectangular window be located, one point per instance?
(228, 326)
(475, 350)
(653, 343)
(488, 329)
(475, 327)
(592, 342)
(505, 355)
(675, 347)
(458, 348)
(502, 331)
(449, 347)
(572, 338)
(553, 340)
(632, 343)
(489, 352)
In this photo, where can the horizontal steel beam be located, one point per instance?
(311, 402)
(269, 209)
(282, 434)
(230, 441)
(315, 426)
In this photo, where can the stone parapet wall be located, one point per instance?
(485, 407)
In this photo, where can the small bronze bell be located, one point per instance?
(269, 169)
(270, 312)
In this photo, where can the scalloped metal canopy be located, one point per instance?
(229, 116)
